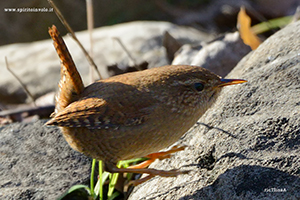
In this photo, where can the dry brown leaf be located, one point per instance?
(244, 26)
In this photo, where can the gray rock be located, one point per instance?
(247, 146)
(37, 63)
(37, 163)
(219, 56)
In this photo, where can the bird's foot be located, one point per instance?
(152, 173)
(141, 168)
(159, 155)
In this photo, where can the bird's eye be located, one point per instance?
(198, 86)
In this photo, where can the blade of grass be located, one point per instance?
(100, 180)
(99, 184)
(98, 190)
(112, 183)
(114, 195)
(271, 24)
(76, 187)
(73, 189)
(92, 177)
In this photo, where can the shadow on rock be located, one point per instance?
(251, 182)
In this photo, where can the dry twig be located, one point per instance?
(18, 114)
(19, 80)
(128, 53)
(90, 23)
(66, 24)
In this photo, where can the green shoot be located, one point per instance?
(271, 24)
(92, 177)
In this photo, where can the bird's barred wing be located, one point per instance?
(97, 113)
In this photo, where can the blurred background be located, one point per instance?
(212, 16)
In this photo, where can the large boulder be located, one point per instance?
(37, 163)
(219, 56)
(37, 63)
(247, 146)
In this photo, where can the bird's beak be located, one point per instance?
(225, 82)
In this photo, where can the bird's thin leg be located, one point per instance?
(159, 155)
(140, 181)
(141, 168)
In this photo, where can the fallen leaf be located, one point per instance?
(244, 26)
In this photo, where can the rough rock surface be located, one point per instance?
(247, 146)
(37, 63)
(37, 163)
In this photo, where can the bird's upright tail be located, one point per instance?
(70, 84)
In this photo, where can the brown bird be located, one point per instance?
(134, 114)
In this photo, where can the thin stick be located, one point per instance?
(296, 15)
(19, 80)
(128, 53)
(67, 26)
(90, 23)
(42, 111)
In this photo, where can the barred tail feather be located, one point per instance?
(70, 84)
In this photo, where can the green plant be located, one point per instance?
(97, 191)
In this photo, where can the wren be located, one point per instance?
(134, 114)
